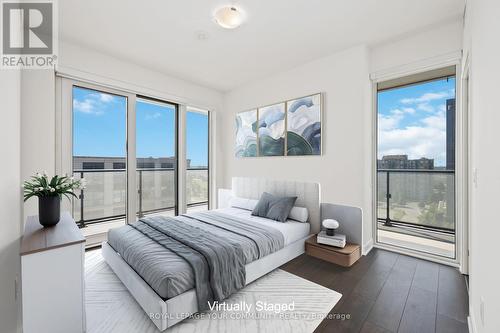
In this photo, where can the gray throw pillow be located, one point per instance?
(274, 207)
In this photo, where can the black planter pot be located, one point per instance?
(49, 210)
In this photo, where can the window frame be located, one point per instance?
(64, 137)
(452, 59)
(209, 150)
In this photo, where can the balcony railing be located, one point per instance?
(420, 199)
(104, 198)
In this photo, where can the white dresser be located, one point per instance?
(52, 270)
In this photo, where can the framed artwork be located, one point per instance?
(271, 132)
(304, 126)
(291, 128)
(246, 134)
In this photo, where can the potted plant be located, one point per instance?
(49, 193)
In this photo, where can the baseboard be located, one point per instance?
(367, 247)
(471, 322)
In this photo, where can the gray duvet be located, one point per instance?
(206, 251)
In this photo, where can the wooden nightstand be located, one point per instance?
(346, 256)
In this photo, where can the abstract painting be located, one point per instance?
(272, 130)
(246, 134)
(304, 126)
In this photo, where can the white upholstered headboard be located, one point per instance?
(308, 194)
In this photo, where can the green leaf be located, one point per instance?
(27, 196)
(61, 180)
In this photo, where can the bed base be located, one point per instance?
(167, 313)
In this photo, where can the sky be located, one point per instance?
(99, 128)
(412, 120)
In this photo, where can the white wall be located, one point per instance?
(104, 69)
(430, 43)
(37, 127)
(344, 169)
(10, 198)
(481, 40)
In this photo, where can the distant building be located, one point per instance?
(402, 162)
(450, 134)
(91, 162)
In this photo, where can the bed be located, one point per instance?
(169, 286)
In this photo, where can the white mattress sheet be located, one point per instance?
(291, 230)
(168, 274)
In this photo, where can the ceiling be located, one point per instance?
(278, 34)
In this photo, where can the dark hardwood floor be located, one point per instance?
(389, 292)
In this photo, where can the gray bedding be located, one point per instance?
(207, 251)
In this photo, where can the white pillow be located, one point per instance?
(300, 214)
(248, 204)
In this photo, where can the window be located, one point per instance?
(126, 146)
(416, 162)
(92, 165)
(119, 165)
(169, 165)
(145, 165)
(197, 150)
(99, 136)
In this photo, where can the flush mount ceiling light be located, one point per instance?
(229, 17)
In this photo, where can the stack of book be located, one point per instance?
(338, 240)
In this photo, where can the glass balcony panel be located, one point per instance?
(104, 195)
(424, 198)
(157, 190)
(381, 195)
(196, 186)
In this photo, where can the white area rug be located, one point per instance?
(111, 308)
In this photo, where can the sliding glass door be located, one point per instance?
(197, 161)
(127, 148)
(156, 151)
(99, 154)
(416, 162)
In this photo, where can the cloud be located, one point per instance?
(428, 97)
(94, 103)
(386, 123)
(438, 122)
(87, 106)
(425, 107)
(426, 139)
(105, 98)
(414, 141)
(403, 111)
(424, 135)
(155, 115)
